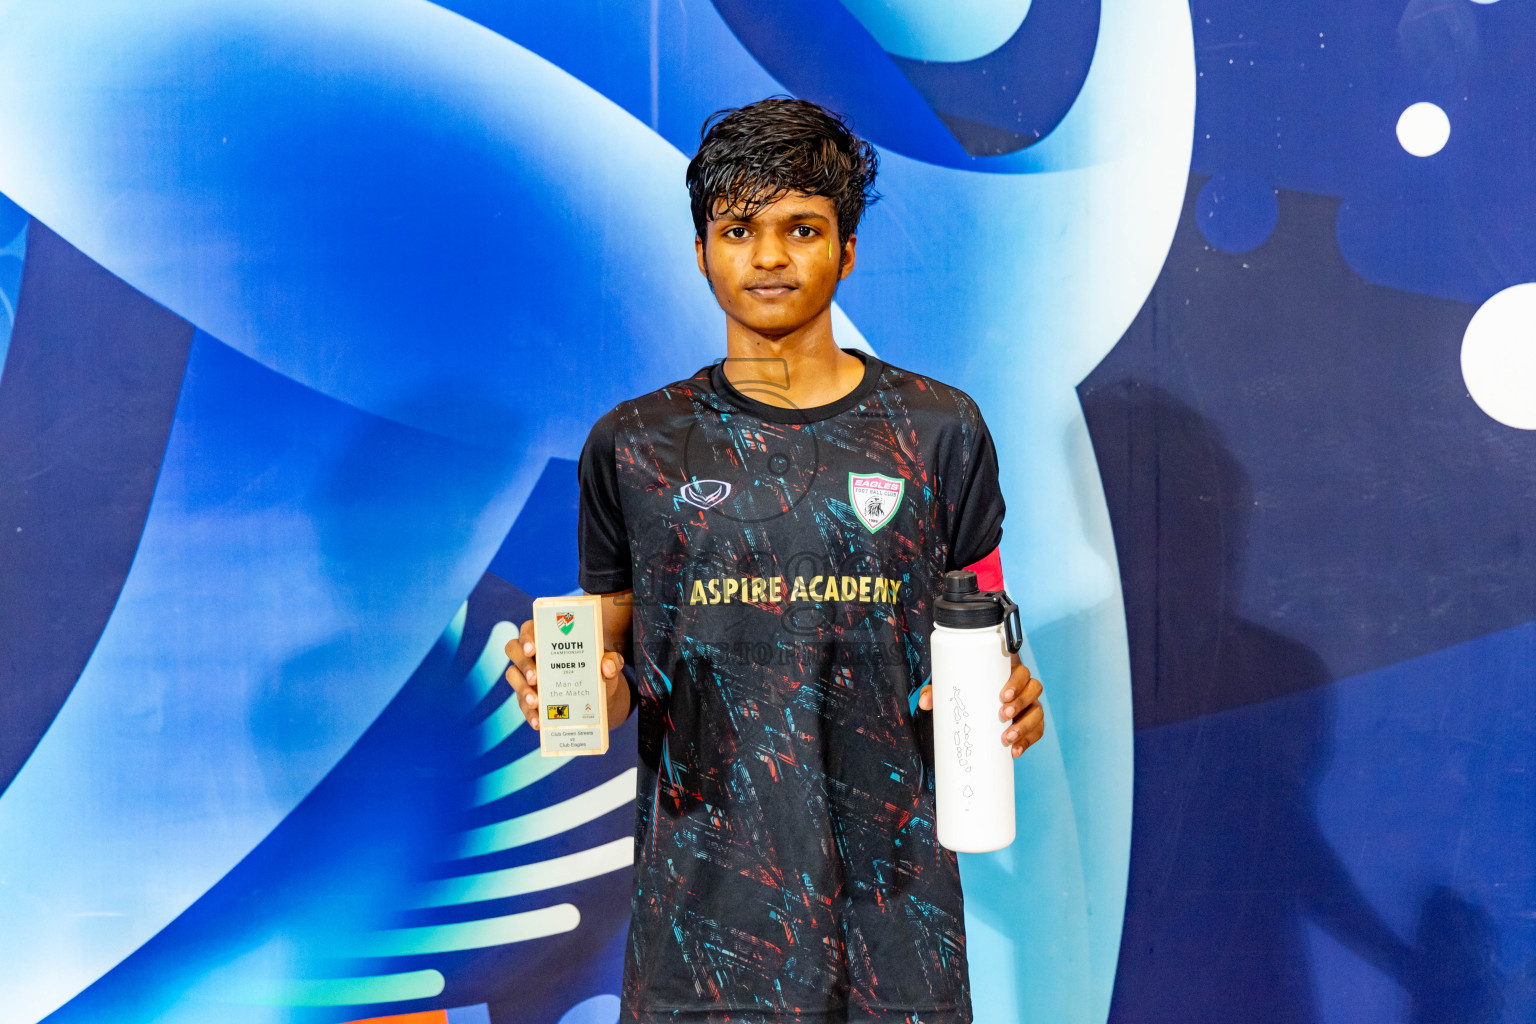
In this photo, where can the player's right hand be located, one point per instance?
(523, 673)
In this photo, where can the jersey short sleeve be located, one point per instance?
(601, 540)
(977, 519)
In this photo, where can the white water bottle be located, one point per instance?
(974, 634)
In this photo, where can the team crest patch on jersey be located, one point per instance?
(874, 497)
(705, 493)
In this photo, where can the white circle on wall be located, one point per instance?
(1485, 1)
(1498, 356)
(1423, 129)
(597, 1010)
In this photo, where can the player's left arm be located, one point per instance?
(976, 525)
(1019, 699)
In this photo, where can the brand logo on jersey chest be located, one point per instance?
(874, 497)
(705, 493)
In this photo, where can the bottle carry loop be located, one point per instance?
(1013, 633)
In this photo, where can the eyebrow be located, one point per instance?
(791, 217)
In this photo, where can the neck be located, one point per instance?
(798, 370)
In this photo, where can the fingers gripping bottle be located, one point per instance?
(974, 634)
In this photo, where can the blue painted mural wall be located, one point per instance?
(305, 311)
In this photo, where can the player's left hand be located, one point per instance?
(1020, 697)
(1020, 700)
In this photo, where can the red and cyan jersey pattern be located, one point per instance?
(783, 564)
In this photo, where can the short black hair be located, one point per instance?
(753, 155)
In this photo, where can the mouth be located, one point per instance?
(775, 290)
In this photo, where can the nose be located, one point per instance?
(769, 252)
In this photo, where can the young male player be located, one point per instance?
(769, 535)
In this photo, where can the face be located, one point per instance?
(776, 272)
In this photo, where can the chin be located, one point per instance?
(777, 328)
(762, 316)
(771, 322)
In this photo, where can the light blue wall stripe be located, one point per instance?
(383, 988)
(525, 771)
(501, 723)
(552, 820)
(496, 931)
(492, 661)
(526, 878)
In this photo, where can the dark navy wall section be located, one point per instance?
(1327, 548)
(1305, 95)
(1286, 443)
(540, 549)
(86, 403)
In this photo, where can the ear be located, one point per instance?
(849, 253)
(698, 251)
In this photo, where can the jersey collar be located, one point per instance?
(723, 389)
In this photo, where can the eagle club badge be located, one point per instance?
(874, 498)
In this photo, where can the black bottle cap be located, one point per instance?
(964, 605)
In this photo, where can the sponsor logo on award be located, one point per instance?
(874, 497)
(565, 620)
(559, 711)
(705, 493)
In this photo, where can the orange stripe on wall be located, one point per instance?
(430, 1017)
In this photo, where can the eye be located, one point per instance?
(803, 231)
(735, 232)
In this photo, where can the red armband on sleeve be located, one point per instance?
(989, 571)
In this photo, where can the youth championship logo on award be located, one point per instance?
(874, 498)
(565, 620)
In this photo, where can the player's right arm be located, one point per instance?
(523, 672)
(602, 545)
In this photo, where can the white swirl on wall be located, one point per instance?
(954, 31)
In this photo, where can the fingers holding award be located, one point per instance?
(569, 682)
(522, 673)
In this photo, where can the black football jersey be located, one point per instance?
(784, 564)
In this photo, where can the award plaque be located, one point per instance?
(573, 701)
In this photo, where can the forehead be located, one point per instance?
(789, 206)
